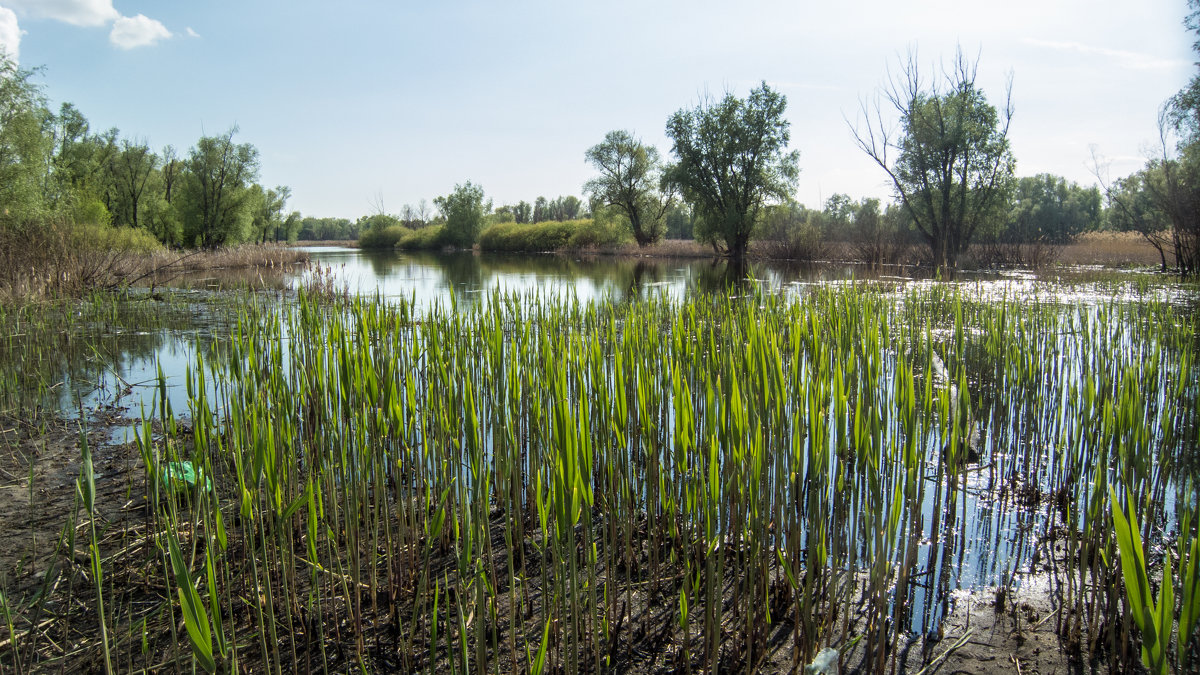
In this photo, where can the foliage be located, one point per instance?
(424, 239)
(1132, 208)
(23, 145)
(526, 237)
(266, 208)
(879, 238)
(953, 169)
(792, 232)
(551, 235)
(732, 159)
(325, 229)
(130, 171)
(463, 210)
(380, 231)
(1153, 619)
(630, 179)
(1048, 208)
(679, 223)
(216, 191)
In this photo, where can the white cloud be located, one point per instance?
(75, 12)
(129, 32)
(10, 34)
(192, 33)
(1127, 59)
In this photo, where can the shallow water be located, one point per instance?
(991, 542)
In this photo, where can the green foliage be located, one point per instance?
(129, 176)
(1153, 619)
(792, 232)
(107, 238)
(23, 143)
(216, 191)
(679, 224)
(325, 229)
(731, 159)
(91, 211)
(630, 179)
(550, 236)
(953, 170)
(380, 231)
(1050, 209)
(463, 210)
(266, 208)
(424, 239)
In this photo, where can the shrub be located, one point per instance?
(552, 235)
(548, 235)
(114, 239)
(383, 238)
(590, 233)
(424, 239)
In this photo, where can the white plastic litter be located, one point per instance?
(826, 663)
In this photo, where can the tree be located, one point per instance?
(24, 147)
(129, 172)
(1175, 175)
(216, 186)
(1049, 209)
(522, 212)
(731, 159)
(1132, 207)
(952, 169)
(631, 180)
(463, 210)
(267, 212)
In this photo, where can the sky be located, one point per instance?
(360, 104)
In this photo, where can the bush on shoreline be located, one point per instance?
(550, 235)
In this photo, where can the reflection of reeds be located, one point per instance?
(529, 486)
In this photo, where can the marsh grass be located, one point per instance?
(542, 485)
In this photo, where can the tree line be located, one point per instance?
(729, 180)
(54, 167)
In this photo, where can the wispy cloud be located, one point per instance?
(10, 34)
(1124, 58)
(75, 12)
(192, 33)
(129, 32)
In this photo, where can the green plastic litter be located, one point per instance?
(181, 475)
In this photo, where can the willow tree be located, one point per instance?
(732, 160)
(950, 161)
(631, 180)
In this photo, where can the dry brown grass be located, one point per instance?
(1111, 249)
(39, 261)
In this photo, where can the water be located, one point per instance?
(991, 544)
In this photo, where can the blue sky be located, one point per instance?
(353, 102)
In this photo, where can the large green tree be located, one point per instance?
(129, 173)
(631, 180)
(216, 184)
(950, 162)
(1052, 210)
(732, 159)
(463, 210)
(24, 147)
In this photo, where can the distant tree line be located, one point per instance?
(54, 167)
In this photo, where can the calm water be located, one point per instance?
(124, 370)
